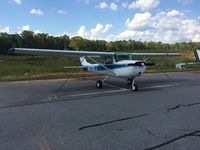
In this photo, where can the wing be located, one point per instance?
(83, 53)
(153, 54)
(59, 52)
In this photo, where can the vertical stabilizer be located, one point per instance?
(197, 55)
(84, 62)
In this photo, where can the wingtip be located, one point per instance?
(11, 50)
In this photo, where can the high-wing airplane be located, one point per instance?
(120, 65)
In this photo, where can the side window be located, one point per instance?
(108, 60)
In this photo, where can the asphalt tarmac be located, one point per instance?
(72, 114)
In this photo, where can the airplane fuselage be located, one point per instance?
(122, 69)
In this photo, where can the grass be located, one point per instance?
(15, 67)
(22, 67)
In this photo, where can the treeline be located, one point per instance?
(29, 39)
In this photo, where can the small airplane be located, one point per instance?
(120, 65)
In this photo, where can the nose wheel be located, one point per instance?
(134, 87)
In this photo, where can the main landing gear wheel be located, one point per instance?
(99, 84)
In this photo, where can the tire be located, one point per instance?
(99, 84)
(134, 87)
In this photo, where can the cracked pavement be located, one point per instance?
(163, 115)
(183, 105)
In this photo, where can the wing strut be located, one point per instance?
(102, 66)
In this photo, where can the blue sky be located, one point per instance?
(147, 20)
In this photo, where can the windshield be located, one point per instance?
(120, 57)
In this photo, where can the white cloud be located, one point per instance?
(171, 26)
(99, 32)
(170, 20)
(22, 28)
(26, 27)
(36, 11)
(97, 29)
(63, 12)
(196, 38)
(103, 5)
(5, 29)
(144, 4)
(19, 2)
(136, 35)
(100, 29)
(174, 13)
(82, 31)
(113, 6)
(107, 28)
(37, 31)
(198, 17)
(141, 21)
(166, 26)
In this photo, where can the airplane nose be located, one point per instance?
(137, 64)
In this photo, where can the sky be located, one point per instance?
(168, 21)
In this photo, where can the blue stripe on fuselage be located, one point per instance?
(97, 68)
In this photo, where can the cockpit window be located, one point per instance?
(120, 57)
(108, 60)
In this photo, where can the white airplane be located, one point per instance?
(120, 65)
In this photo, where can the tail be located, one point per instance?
(197, 55)
(84, 62)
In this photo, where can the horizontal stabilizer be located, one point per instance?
(84, 62)
(74, 67)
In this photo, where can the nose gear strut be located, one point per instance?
(134, 87)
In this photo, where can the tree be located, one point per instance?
(77, 43)
(41, 40)
(5, 43)
(111, 46)
(28, 39)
